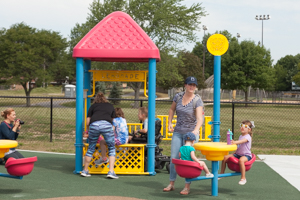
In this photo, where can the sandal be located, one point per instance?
(169, 188)
(185, 191)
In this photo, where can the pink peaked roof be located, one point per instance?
(117, 38)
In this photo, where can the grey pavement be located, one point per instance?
(288, 167)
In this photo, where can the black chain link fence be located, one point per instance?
(50, 122)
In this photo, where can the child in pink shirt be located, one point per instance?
(243, 152)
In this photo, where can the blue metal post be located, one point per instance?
(151, 117)
(87, 81)
(79, 114)
(216, 121)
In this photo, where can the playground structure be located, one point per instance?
(16, 168)
(117, 38)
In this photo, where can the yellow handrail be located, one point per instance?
(164, 127)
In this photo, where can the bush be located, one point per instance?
(115, 93)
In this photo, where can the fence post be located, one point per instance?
(232, 120)
(141, 105)
(51, 117)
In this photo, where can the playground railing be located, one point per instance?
(129, 160)
(168, 135)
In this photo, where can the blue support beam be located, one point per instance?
(216, 121)
(87, 81)
(10, 176)
(79, 114)
(151, 116)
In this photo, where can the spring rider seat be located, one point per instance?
(187, 169)
(21, 166)
(233, 163)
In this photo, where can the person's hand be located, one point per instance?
(85, 134)
(170, 128)
(233, 142)
(201, 164)
(19, 127)
(17, 123)
(195, 132)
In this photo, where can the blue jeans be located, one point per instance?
(105, 128)
(177, 142)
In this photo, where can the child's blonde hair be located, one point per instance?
(247, 122)
(144, 111)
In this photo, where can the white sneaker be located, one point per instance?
(242, 182)
(210, 175)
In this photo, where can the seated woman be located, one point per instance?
(9, 130)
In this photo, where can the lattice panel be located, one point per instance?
(129, 159)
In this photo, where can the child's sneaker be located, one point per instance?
(242, 182)
(85, 173)
(210, 175)
(112, 175)
(100, 161)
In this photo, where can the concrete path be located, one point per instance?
(286, 166)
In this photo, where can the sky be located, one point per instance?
(280, 33)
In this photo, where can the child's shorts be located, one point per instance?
(238, 156)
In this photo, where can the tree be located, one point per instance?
(289, 63)
(246, 64)
(155, 17)
(100, 87)
(115, 93)
(27, 53)
(280, 78)
(296, 78)
(63, 66)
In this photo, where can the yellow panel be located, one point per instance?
(129, 159)
(117, 75)
(168, 135)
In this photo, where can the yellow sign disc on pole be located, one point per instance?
(217, 44)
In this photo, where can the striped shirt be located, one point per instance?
(186, 119)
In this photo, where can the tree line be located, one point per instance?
(27, 53)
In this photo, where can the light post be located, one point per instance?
(262, 18)
(238, 36)
(204, 29)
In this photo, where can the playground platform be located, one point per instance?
(52, 177)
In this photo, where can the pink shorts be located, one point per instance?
(117, 142)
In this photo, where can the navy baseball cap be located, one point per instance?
(189, 136)
(190, 80)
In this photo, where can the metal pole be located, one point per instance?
(262, 33)
(151, 117)
(51, 117)
(232, 120)
(203, 58)
(79, 114)
(216, 121)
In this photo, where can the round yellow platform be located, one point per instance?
(214, 151)
(5, 145)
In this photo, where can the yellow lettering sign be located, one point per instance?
(116, 75)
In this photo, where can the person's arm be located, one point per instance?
(199, 117)
(193, 156)
(179, 155)
(239, 141)
(171, 114)
(88, 120)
